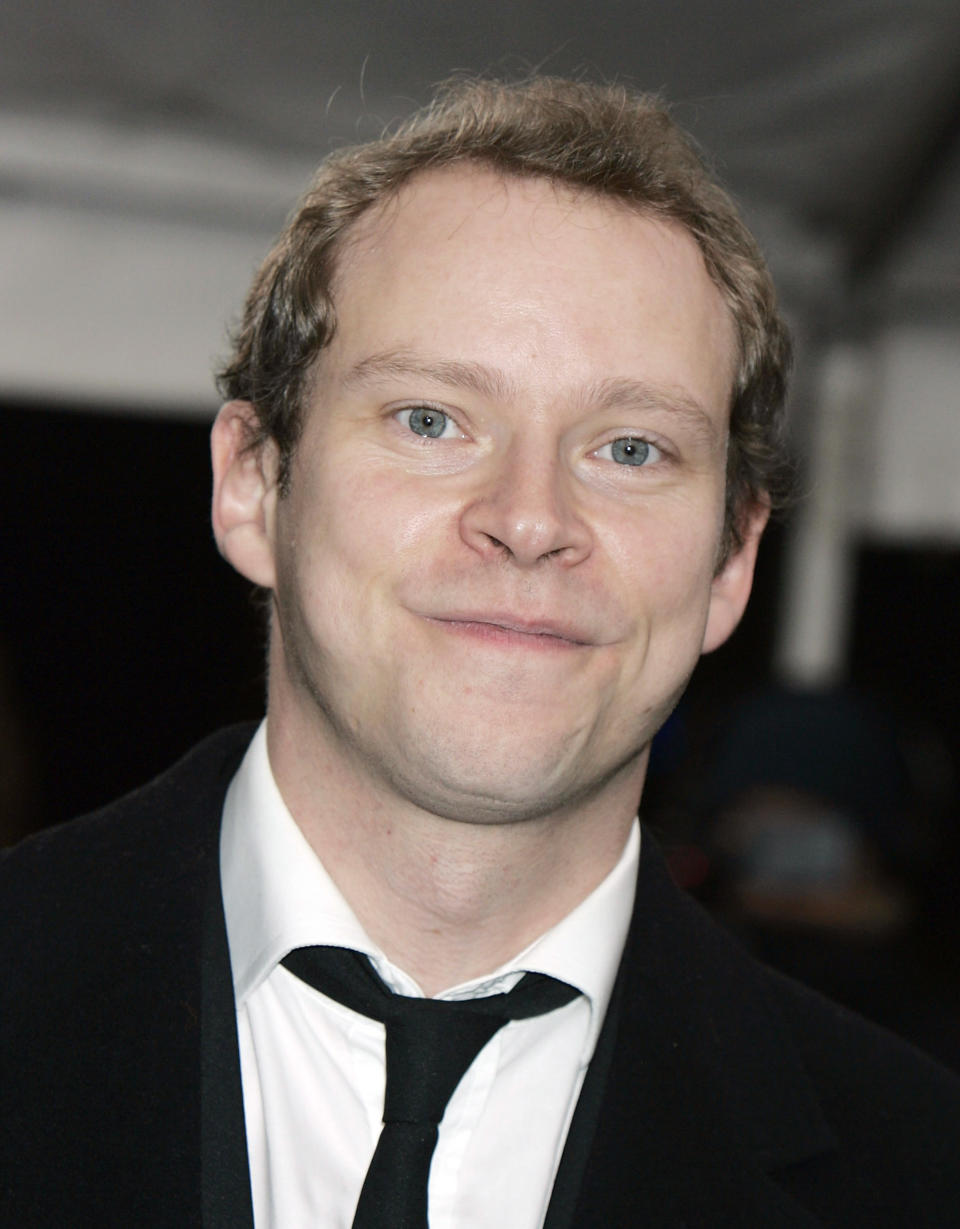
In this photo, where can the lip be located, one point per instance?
(509, 628)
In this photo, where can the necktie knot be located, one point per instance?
(427, 1056)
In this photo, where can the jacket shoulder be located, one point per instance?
(169, 809)
(871, 1082)
(100, 891)
(894, 1114)
(853, 1124)
(101, 998)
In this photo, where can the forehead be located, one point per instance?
(524, 273)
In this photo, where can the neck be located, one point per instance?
(445, 900)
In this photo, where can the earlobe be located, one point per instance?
(244, 493)
(731, 586)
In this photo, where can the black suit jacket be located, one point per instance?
(720, 1095)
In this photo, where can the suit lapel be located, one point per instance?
(696, 1094)
(182, 1014)
(208, 1073)
(225, 1169)
(198, 1067)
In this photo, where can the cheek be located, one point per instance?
(380, 505)
(347, 538)
(665, 566)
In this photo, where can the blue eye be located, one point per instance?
(426, 421)
(630, 451)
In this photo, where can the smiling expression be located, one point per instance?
(496, 565)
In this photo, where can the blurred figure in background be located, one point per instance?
(821, 859)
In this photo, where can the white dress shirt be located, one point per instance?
(314, 1071)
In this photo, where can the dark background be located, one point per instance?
(124, 637)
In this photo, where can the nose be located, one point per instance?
(524, 510)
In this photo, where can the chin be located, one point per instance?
(480, 805)
(524, 784)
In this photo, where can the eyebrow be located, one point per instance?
(614, 393)
(476, 377)
(625, 393)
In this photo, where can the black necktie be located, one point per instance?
(430, 1045)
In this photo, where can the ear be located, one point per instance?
(731, 586)
(244, 493)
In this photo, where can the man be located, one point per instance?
(500, 444)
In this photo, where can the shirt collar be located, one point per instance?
(277, 896)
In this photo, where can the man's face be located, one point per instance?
(496, 565)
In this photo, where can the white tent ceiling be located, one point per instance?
(147, 152)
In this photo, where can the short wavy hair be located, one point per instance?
(605, 139)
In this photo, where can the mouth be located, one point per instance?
(510, 630)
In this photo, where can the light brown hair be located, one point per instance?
(603, 139)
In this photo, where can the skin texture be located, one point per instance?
(482, 613)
